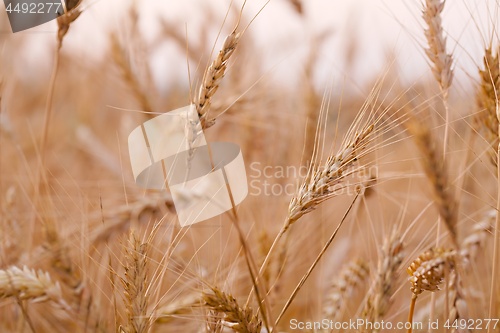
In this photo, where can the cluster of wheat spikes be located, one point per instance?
(395, 217)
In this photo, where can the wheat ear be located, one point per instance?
(241, 320)
(495, 271)
(64, 21)
(436, 171)
(380, 293)
(136, 285)
(28, 284)
(319, 184)
(486, 98)
(427, 272)
(213, 77)
(436, 52)
(347, 282)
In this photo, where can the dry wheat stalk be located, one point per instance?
(320, 181)
(348, 281)
(241, 320)
(436, 51)
(212, 78)
(313, 264)
(379, 296)
(60, 262)
(274, 269)
(487, 97)
(28, 284)
(318, 186)
(436, 171)
(136, 285)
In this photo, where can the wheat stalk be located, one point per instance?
(136, 285)
(28, 284)
(436, 52)
(51, 233)
(213, 77)
(314, 264)
(241, 320)
(487, 97)
(319, 185)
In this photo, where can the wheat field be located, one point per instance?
(371, 207)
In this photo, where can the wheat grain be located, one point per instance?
(427, 272)
(441, 61)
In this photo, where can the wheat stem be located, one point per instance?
(410, 313)
(495, 272)
(313, 265)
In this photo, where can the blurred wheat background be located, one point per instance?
(369, 131)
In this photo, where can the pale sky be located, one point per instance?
(378, 27)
